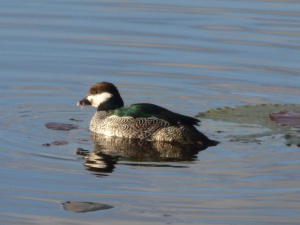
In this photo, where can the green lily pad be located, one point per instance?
(252, 123)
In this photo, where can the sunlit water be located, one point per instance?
(188, 56)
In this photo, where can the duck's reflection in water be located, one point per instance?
(97, 161)
(109, 150)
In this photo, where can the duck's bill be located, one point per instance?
(83, 102)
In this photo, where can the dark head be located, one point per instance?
(104, 96)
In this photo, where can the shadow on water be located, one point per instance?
(109, 151)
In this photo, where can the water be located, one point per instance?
(186, 56)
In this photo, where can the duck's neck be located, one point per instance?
(111, 104)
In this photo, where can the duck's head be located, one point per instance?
(104, 96)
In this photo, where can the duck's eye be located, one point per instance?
(94, 92)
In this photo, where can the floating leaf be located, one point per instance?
(60, 126)
(251, 123)
(288, 118)
(60, 142)
(84, 207)
(56, 143)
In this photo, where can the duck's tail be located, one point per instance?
(212, 142)
(201, 139)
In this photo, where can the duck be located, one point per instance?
(143, 121)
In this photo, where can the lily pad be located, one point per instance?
(56, 143)
(251, 123)
(60, 142)
(84, 207)
(287, 118)
(60, 126)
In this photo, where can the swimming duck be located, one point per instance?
(142, 121)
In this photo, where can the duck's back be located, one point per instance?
(104, 122)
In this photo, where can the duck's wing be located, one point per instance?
(146, 110)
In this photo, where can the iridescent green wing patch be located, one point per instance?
(146, 110)
(253, 123)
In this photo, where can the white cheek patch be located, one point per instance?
(98, 99)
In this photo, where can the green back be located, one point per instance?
(146, 110)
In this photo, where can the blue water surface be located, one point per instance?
(187, 56)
